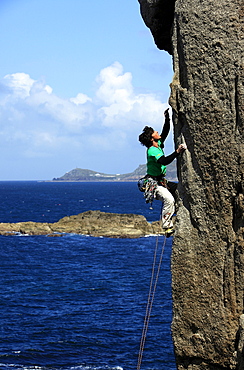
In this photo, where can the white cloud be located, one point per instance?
(121, 105)
(34, 122)
(80, 99)
(19, 83)
(28, 100)
(114, 85)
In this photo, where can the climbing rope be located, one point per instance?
(151, 294)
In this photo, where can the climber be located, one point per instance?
(156, 169)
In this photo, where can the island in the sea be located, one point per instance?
(93, 223)
(79, 174)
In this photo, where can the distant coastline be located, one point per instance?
(79, 174)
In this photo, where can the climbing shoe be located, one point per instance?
(168, 232)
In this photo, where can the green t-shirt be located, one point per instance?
(153, 167)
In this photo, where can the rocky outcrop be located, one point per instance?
(94, 223)
(207, 98)
(158, 15)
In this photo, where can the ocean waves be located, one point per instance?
(78, 302)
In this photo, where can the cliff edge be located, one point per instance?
(207, 98)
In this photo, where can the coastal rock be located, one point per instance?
(207, 98)
(29, 227)
(94, 223)
(158, 15)
(240, 344)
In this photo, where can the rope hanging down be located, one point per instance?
(151, 294)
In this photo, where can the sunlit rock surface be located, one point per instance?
(208, 107)
(93, 223)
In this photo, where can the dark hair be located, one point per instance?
(146, 137)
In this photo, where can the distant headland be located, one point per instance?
(79, 174)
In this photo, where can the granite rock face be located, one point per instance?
(93, 223)
(207, 98)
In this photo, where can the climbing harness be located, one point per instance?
(148, 186)
(152, 289)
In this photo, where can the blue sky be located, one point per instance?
(78, 82)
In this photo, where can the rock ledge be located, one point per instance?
(94, 223)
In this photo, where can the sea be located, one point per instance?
(78, 302)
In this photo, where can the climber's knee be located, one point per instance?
(164, 195)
